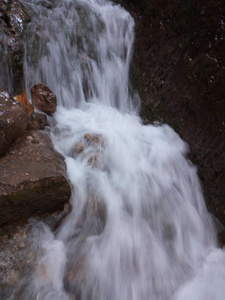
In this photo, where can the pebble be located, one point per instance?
(29, 138)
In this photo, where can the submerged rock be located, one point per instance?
(94, 140)
(92, 222)
(43, 98)
(89, 149)
(32, 178)
(13, 121)
(79, 147)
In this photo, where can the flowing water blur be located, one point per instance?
(138, 228)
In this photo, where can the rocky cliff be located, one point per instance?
(179, 70)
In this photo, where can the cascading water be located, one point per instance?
(81, 49)
(138, 228)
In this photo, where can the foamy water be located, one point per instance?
(138, 228)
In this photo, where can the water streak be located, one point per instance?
(138, 228)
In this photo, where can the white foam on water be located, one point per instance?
(208, 283)
(139, 228)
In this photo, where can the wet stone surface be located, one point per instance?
(13, 121)
(43, 98)
(32, 178)
(16, 255)
(13, 20)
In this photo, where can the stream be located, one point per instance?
(138, 227)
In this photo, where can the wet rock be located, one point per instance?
(32, 178)
(221, 238)
(62, 216)
(14, 15)
(94, 160)
(16, 254)
(11, 63)
(95, 209)
(13, 120)
(38, 122)
(75, 276)
(179, 70)
(17, 17)
(13, 20)
(3, 6)
(91, 142)
(90, 149)
(94, 140)
(47, 4)
(43, 98)
(79, 147)
(92, 222)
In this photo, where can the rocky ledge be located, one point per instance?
(32, 177)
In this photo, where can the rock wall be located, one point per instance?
(32, 176)
(13, 20)
(179, 70)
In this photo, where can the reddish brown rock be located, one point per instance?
(43, 98)
(94, 140)
(90, 148)
(94, 160)
(13, 121)
(89, 141)
(32, 178)
(79, 147)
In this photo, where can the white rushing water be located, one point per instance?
(138, 228)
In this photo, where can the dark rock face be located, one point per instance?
(13, 121)
(17, 17)
(11, 63)
(43, 98)
(13, 20)
(38, 122)
(32, 178)
(179, 70)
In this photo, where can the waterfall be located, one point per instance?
(82, 51)
(138, 228)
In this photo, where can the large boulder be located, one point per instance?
(43, 98)
(179, 70)
(32, 178)
(13, 121)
